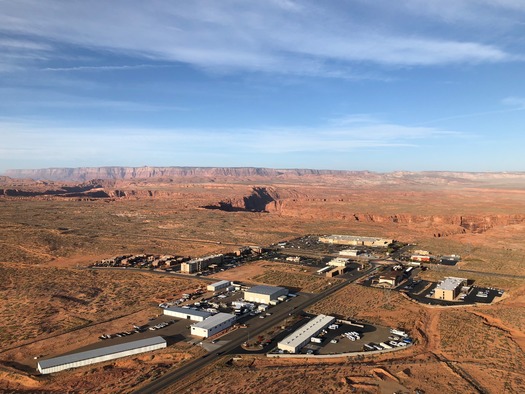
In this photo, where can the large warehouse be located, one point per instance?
(218, 285)
(296, 340)
(355, 240)
(186, 313)
(94, 356)
(212, 325)
(264, 294)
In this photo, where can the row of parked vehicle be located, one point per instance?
(352, 335)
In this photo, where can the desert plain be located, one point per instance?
(54, 224)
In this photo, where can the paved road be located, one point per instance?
(271, 321)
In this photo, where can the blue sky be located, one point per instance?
(382, 86)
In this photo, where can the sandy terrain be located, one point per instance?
(279, 274)
(49, 302)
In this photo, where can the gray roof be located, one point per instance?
(188, 311)
(220, 283)
(267, 290)
(88, 354)
(308, 330)
(450, 283)
(214, 320)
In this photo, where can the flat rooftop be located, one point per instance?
(354, 238)
(220, 283)
(307, 331)
(89, 354)
(267, 290)
(188, 311)
(214, 320)
(450, 283)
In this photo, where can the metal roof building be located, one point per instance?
(264, 294)
(107, 353)
(449, 288)
(218, 285)
(212, 325)
(187, 313)
(296, 340)
(355, 240)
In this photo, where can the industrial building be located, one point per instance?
(187, 313)
(391, 278)
(420, 257)
(355, 240)
(94, 356)
(218, 285)
(212, 325)
(449, 288)
(350, 252)
(338, 262)
(296, 340)
(197, 265)
(264, 294)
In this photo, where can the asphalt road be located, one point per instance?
(271, 321)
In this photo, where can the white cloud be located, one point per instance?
(272, 36)
(46, 141)
(516, 102)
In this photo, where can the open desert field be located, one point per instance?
(51, 301)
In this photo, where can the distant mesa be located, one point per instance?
(82, 174)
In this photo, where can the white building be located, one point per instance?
(338, 262)
(355, 240)
(107, 353)
(296, 340)
(264, 294)
(212, 325)
(223, 284)
(200, 263)
(349, 252)
(187, 313)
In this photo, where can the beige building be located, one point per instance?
(197, 265)
(338, 262)
(264, 294)
(391, 278)
(355, 240)
(449, 288)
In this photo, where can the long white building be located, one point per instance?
(187, 313)
(94, 356)
(296, 340)
(264, 294)
(212, 325)
(218, 285)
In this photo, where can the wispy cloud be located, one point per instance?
(107, 68)
(279, 36)
(516, 102)
(44, 140)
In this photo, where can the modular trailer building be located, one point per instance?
(264, 294)
(296, 340)
(218, 285)
(212, 325)
(94, 356)
(187, 313)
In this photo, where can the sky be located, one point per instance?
(354, 85)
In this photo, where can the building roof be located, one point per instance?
(450, 283)
(188, 311)
(307, 331)
(354, 238)
(88, 354)
(220, 283)
(214, 320)
(267, 290)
